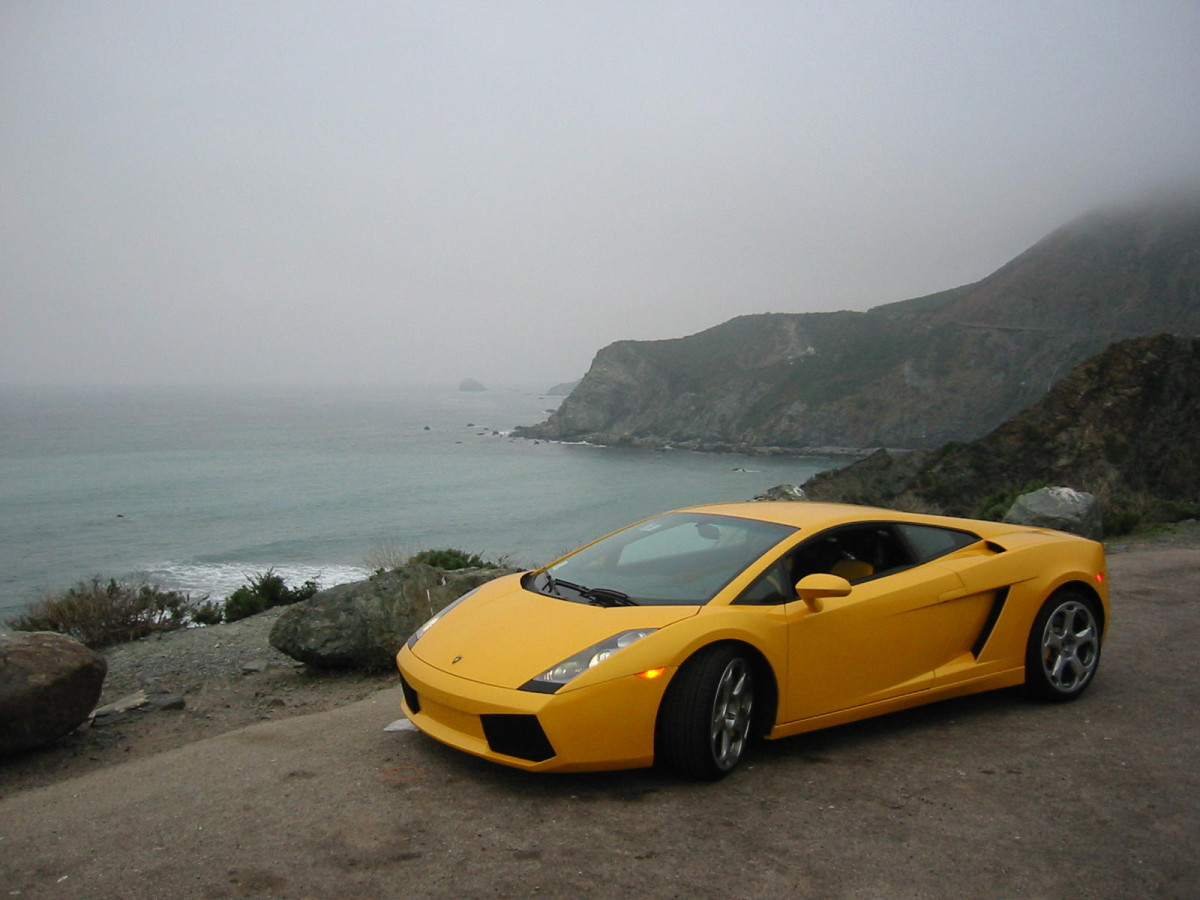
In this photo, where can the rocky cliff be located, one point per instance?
(1124, 426)
(919, 373)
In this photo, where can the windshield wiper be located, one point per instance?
(602, 596)
(553, 584)
(597, 596)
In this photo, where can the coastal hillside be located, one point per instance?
(1124, 425)
(913, 374)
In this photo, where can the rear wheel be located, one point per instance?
(1064, 647)
(707, 716)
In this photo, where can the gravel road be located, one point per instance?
(985, 796)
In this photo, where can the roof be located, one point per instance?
(811, 516)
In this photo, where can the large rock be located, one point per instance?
(364, 624)
(1061, 508)
(49, 685)
(787, 492)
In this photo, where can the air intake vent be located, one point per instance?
(519, 736)
(410, 696)
(998, 602)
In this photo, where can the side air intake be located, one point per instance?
(990, 623)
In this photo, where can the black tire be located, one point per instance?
(1063, 651)
(706, 721)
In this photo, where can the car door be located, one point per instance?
(882, 640)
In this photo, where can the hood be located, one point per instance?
(504, 635)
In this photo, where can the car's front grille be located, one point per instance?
(410, 696)
(519, 736)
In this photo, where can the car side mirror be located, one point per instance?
(813, 589)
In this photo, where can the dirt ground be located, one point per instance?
(229, 676)
(273, 782)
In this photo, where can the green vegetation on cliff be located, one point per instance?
(1124, 426)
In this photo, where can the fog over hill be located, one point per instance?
(913, 374)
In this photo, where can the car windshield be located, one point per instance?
(671, 559)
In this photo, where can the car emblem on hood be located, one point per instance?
(456, 659)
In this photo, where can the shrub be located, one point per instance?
(100, 615)
(210, 612)
(385, 556)
(1120, 521)
(263, 592)
(1127, 512)
(994, 506)
(388, 556)
(451, 559)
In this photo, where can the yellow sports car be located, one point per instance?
(684, 637)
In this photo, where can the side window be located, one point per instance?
(771, 588)
(930, 541)
(855, 552)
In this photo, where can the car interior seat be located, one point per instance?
(852, 569)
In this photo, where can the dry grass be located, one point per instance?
(102, 614)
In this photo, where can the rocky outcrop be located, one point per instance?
(785, 492)
(49, 685)
(876, 480)
(914, 374)
(364, 624)
(1124, 426)
(1060, 508)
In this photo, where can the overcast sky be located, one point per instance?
(358, 192)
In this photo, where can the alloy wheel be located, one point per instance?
(1070, 646)
(732, 713)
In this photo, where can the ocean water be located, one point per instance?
(199, 489)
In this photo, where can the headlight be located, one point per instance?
(573, 666)
(416, 635)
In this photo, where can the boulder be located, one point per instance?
(1060, 508)
(49, 685)
(782, 492)
(363, 625)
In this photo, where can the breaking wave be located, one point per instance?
(219, 580)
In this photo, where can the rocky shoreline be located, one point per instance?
(641, 442)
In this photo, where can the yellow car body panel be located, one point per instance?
(955, 624)
(483, 646)
(451, 710)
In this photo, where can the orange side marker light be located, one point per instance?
(651, 674)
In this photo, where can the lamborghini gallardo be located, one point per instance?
(683, 638)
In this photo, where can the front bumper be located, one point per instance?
(604, 726)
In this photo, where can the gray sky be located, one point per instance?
(211, 192)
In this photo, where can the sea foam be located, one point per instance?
(218, 580)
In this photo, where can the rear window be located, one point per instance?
(930, 541)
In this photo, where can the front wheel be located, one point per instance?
(707, 716)
(1064, 647)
